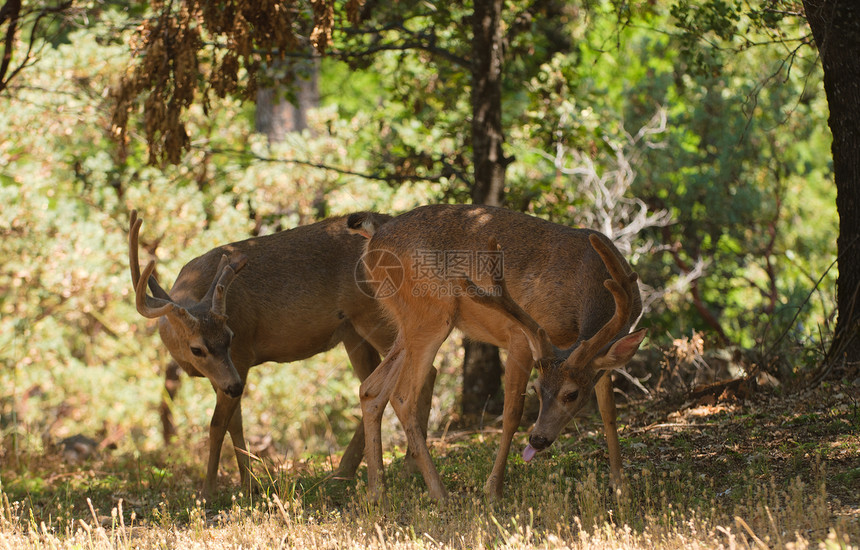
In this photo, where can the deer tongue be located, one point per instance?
(529, 453)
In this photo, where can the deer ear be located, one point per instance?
(621, 351)
(532, 344)
(363, 223)
(539, 343)
(238, 261)
(184, 318)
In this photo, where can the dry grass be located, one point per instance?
(574, 515)
(564, 502)
(771, 472)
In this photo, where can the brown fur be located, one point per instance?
(296, 296)
(570, 282)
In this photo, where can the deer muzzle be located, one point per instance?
(235, 390)
(539, 442)
(536, 444)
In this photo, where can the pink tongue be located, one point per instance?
(529, 453)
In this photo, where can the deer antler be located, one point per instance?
(619, 286)
(505, 304)
(148, 306)
(223, 278)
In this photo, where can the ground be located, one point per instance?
(769, 466)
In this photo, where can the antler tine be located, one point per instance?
(134, 263)
(506, 305)
(619, 286)
(148, 306)
(210, 293)
(223, 281)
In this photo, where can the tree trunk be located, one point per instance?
(487, 134)
(482, 367)
(835, 27)
(276, 116)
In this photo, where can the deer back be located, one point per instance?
(294, 295)
(551, 270)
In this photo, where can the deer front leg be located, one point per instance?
(222, 418)
(243, 455)
(606, 404)
(374, 394)
(518, 367)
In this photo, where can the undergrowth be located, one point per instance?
(562, 500)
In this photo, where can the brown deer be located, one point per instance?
(546, 284)
(281, 297)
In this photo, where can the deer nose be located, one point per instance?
(235, 390)
(539, 442)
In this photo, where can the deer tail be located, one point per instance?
(365, 223)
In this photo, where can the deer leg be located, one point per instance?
(425, 401)
(606, 404)
(165, 410)
(364, 359)
(374, 394)
(518, 367)
(222, 418)
(243, 454)
(406, 400)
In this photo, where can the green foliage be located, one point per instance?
(739, 167)
(76, 356)
(742, 166)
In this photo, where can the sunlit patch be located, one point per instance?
(710, 410)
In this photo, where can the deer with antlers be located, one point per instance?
(281, 297)
(559, 298)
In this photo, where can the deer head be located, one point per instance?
(196, 335)
(567, 377)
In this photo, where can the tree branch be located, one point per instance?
(447, 173)
(11, 11)
(423, 41)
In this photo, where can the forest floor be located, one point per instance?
(740, 469)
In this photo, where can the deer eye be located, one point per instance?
(570, 397)
(198, 351)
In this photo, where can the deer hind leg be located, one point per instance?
(364, 359)
(222, 419)
(425, 400)
(606, 404)
(409, 390)
(518, 367)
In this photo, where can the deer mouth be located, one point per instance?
(529, 453)
(536, 444)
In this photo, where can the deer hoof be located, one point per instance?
(493, 488)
